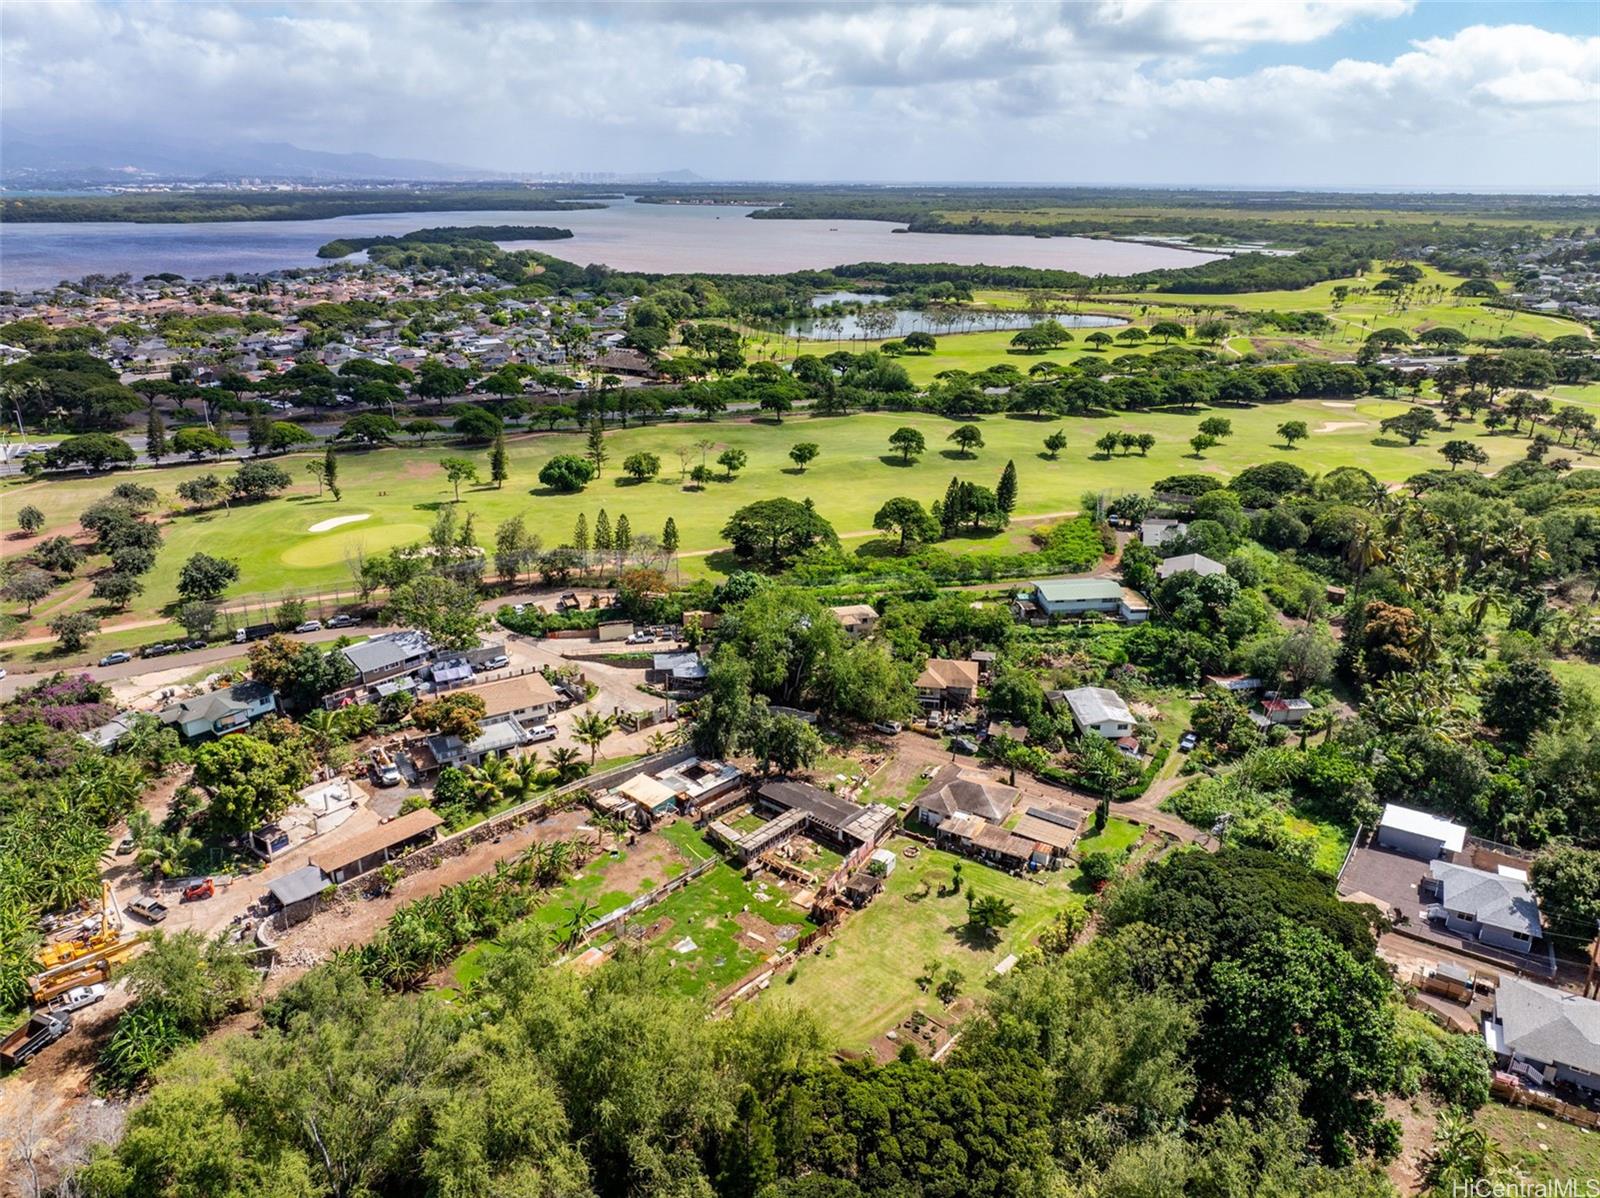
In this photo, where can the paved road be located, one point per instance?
(23, 676)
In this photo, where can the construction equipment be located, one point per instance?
(44, 987)
(94, 966)
(87, 939)
(196, 891)
(41, 1029)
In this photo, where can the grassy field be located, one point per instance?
(1542, 1148)
(399, 491)
(865, 979)
(1117, 836)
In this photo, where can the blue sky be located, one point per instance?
(1333, 93)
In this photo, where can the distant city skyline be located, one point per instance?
(1382, 94)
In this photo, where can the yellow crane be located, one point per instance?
(85, 941)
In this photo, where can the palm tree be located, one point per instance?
(591, 728)
(487, 783)
(577, 921)
(565, 761)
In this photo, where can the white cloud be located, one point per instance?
(1129, 90)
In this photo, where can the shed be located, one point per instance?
(1419, 833)
(295, 894)
(371, 849)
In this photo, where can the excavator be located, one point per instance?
(87, 940)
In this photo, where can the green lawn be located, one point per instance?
(864, 981)
(706, 912)
(1117, 836)
(399, 490)
(1542, 1147)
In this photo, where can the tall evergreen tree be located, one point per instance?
(622, 539)
(580, 538)
(602, 533)
(498, 467)
(954, 509)
(155, 435)
(596, 452)
(258, 432)
(669, 535)
(330, 473)
(1006, 493)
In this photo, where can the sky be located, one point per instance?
(1264, 93)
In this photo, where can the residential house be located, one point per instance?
(387, 655)
(840, 822)
(677, 671)
(1057, 830)
(1495, 908)
(1156, 531)
(975, 837)
(958, 790)
(1099, 710)
(502, 735)
(1191, 563)
(948, 684)
(858, 619)
(231, 709)
(1544, 1034)
(1057, 597)
(1419, 833)
(526, 698)
(361, 854)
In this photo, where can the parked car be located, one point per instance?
(640, 638)
(2, 671)
(542, 732)
(498, 662)
(343, 620)
(116, 659)
(149, 910)
(77, 998)
(1187, 742)
(309, 626)
(125, 846)
(888, 727)
(962, 745)
(197, 643)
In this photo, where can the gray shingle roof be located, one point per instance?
(1492, 899)
(217, 704)
(1547, 1025)
(384, 652)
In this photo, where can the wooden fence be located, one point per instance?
(1548, 1103)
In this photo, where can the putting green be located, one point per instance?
(327, 549)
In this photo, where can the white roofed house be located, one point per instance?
(1190, 563)
(1544, 1034)
(1419, 833)
(1158, 531)
(1100, 711)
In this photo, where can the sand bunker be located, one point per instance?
(336, 521)
(1334, 426)
(1338, 403)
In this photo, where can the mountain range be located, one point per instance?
(40, 160)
